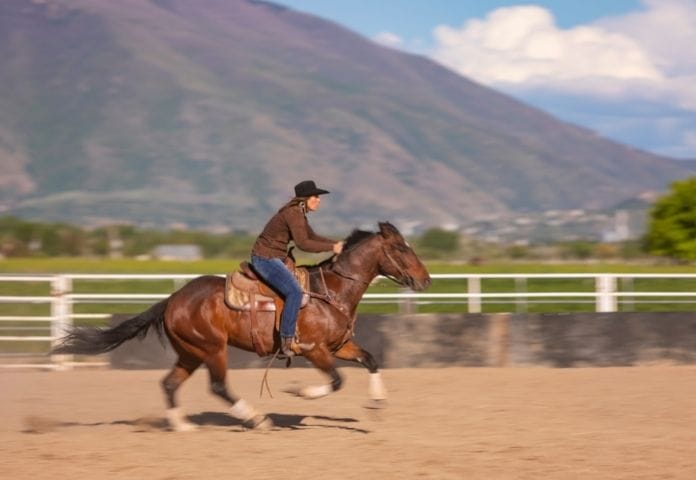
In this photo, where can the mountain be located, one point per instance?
(206, 113)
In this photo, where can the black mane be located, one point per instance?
(356, 237)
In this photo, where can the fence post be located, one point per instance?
(474, 289)
(406, 304)
(61, 311)
(605, 286)
(627, 286)
(521, 301)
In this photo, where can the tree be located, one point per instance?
(672, 222)
(437, 241)
(578, 249)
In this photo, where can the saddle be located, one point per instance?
(245, 291)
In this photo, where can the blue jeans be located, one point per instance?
(277, 275)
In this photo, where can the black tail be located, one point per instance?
(92, 341)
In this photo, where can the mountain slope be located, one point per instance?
(208, 112)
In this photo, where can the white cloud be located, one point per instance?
(388, 39)
(666, 31)
(522, 45)
(648, 53)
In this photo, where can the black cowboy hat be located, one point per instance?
(307, 188)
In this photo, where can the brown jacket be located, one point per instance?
(289, 224)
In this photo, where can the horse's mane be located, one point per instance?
(355, 237)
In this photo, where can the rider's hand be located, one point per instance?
(338, 247)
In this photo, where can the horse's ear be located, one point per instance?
(386, 229)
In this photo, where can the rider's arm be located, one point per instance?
(302, 234)
(315, 236)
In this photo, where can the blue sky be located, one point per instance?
(623, 68)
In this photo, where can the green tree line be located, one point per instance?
(23, 238)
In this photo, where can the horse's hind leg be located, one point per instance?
(170, 384)
(239, 408)
(352, 352)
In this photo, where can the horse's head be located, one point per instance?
(398, 261)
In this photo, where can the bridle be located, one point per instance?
(402, 272)
(405, 279)
(330, 298)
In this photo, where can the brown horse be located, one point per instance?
(200, 326)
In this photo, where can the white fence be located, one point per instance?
(607, 292)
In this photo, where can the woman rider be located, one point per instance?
(271, 249)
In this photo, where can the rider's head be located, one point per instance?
(308, 191)
(307, 188)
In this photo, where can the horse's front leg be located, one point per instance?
(323, 360)
(352, 352)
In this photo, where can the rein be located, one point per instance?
(348, 277)
(401, 271)
(327, 296)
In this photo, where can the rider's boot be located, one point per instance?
(291, 346)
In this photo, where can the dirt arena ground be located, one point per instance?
(449, 423)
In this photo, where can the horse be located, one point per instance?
(200, 326)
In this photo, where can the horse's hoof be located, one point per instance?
(177, 421)
(312, 392)
(182, 426)
(186, 427)
(293, 389)
(261, 423)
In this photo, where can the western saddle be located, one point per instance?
(245, 291)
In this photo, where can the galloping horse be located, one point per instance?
(199, 325)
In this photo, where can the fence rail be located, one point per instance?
(51, 300)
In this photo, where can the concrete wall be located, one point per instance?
(552, 340)
(606, 339)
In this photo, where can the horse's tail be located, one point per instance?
(92, 341)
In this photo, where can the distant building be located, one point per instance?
(619, 231)
(177, 252)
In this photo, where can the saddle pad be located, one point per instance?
(238, 289)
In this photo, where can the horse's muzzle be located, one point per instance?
(420, 285)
